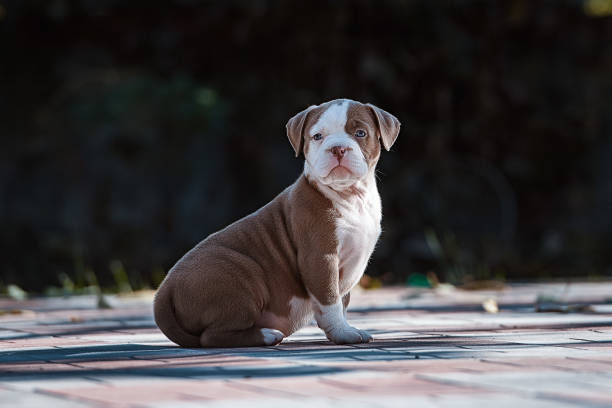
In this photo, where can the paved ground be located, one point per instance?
(431, 349)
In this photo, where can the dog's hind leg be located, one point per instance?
(251, 337)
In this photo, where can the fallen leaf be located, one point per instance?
(483, 285)
(444, 289)
(553, 307)
(418, 280)
(103, 303)
(8, 312)
(490, 306)
(15, 292)
(368, 282)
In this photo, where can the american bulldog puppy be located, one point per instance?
(268, 274)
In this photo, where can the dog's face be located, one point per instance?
(341, 140)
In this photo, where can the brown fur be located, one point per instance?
(216, 294)
(297, 127)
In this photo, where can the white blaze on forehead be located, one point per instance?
(320, 161)
(332, 120)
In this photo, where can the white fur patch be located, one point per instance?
(357, 228)
(331, 317)
(300, 313)
(357, 231)
(272, 336)
(331, 320)
(332, 120)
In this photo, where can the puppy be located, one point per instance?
(265, 276)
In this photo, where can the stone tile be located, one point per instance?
(542, 338)
(571, 386)
(48, 342)
(10, 334)
(396, 384)
(120, 337)
(425, 396)
(336, 402)
(46, 384)
(12, 398)
(221, 360)
(116, 364)
(135, 394)
(605, 359)
(20, 369)
(532, 351)
(547, 363)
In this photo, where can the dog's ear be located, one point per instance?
(295, 130)
(388, 126)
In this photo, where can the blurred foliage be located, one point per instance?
(130, 130)
(598, 8)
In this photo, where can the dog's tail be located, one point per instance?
(163, 310)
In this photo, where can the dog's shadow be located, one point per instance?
(290, 358)
(294, 357)
(137, 360)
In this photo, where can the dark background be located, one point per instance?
(130, 130)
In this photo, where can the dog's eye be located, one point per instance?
(360, 133)
(318, 136)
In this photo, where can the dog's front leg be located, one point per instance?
(331, 320)
(329, 306)
(345, 302)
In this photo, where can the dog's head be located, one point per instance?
(341, 140)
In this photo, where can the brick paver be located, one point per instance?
(433, 348)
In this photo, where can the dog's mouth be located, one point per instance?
(341, 168)
(340, 177)
(340, 172)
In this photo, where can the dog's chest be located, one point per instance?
(357, 231)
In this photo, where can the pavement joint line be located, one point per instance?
(468, 370)
(97, 380)
(571, 400)
(507, 363)
(589, 360)
(586, 340)
(342, 384)
(242, 384)
(561, 368)
(64, 397)
(460, 384)
(571, 347)
(185, 396)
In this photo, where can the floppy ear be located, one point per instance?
(295, 128)
(388, 125)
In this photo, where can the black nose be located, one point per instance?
(338, 151)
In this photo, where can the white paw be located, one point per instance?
(272, 336)
(349, 335)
